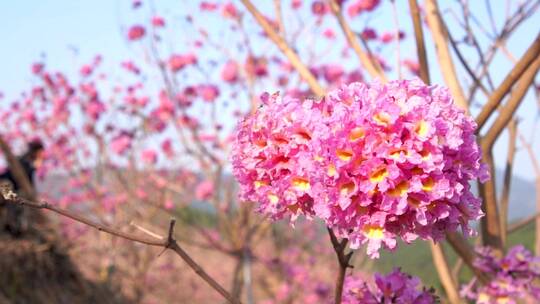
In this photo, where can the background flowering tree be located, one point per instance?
(131, 147)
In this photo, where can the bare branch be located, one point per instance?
(465, 251)
(420, 43)
(441, 264)
(491, 230)
(169, 243)
(513, 76)
(343, 261)
(17, 170)
(302, 69)
(505, 196)
(440, 37)
(370, 64)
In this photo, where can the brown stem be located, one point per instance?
(505, 196)
(491, 230)
(465, 251)
(302, 69)
(420, 43)
(440, 37)
(513, 76)
(370, 64)
(343, 261)
(17, 170)
(441, 265)
(522, 223)
(536, 167)
(168, 243)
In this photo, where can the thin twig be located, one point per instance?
(505, 196)
(295, 60)
(513, 76)
(169, 243)
(491, 230)
(441, 265)
(440, 37)
(369, 63)
(420, 43)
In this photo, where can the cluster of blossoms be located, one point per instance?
(516, 277)
(395, 287)
(375, 161)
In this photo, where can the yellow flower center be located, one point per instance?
(382, 118)
(346, 189)
(400, 189)
(273, 198)
(428, 184)
(332, 170)
(422, 128)
(300, 184)
(260, 183)
(356, 134)
(378, 175)
(374, 232)
(344, 155)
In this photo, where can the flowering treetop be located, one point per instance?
(375, 161)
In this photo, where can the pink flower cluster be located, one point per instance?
(516, 277)
(375, 161)
(396, 287)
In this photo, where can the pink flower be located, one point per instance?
(208, 6)
(86, 70)
(360, 6)
(136, 32)
(412, 66)
(149, 156)
(204, 190)
(208, 92)
(329, 33)
(229, 10)
(121, 144)
(131, 67)
(375, 162)
(395, 287)
(229, 73)
(369, 34)
(158, 21)
(256, 66)
(37, 68)
(167, 148)
(515, 277)
(319, 8)
(178, 62)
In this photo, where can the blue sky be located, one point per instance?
(70, 33)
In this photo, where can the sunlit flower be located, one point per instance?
(376, 162)
(515, 276)
(395, 287)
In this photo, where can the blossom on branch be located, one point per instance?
(516, 276)
(395, 287)
(376, 162)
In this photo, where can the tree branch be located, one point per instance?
(17, 170)
(465, 251)
(302, 69)
(513, 76)
(168, 243)
(491, 230)
(505, 196)
(441, 264)
(440, 37)
(420, 43)
(371, 66)
(343, 261)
